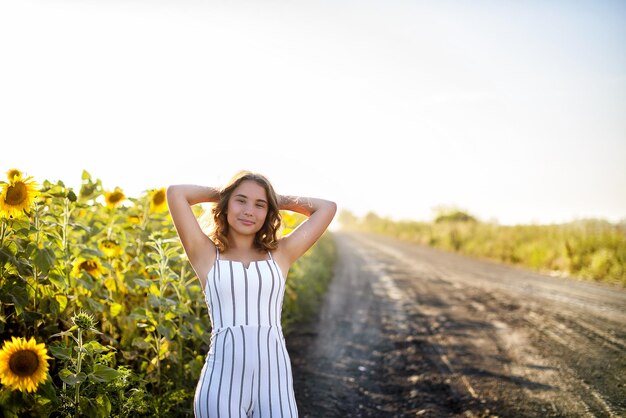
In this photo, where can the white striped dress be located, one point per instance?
(247, 372)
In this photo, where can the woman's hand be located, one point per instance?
(193, 194)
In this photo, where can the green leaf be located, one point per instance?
(31, 247)
(51, 306)
(14, 290)
(140, 314)
(53, 236)
(80, 227)
(104, 405)
(85, 281)
(48, 391)
(31, 316)
(102, 373)
(94, 347)
(142, 282)
(165, 331)
(64, 333)
(88, 407)
(92, 305)
(89, 252)
(141, 344)
(5, 256)
(72, 378)
(57, 280)
(154, 301)
(60, 352)
(44, 259)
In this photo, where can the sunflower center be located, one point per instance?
(24, 363)
(116, 197)
(89, 265)
(16, 194)
(158, 198)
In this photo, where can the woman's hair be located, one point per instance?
(265, 239)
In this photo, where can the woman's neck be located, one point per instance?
(240, 243)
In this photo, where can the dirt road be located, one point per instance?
(412, 331)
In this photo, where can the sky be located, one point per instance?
(512, 111)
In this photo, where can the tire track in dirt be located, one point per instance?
(411, 331)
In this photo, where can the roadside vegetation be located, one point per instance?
(589, 249)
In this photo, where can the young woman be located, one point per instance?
(242, 266)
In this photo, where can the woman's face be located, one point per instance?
(247, 208)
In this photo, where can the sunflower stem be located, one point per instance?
(2, 233)
(35, 272)
(3, 230)
(162, 285)
(142, 227)
(66, 222)
(180, 326)
(78, 367)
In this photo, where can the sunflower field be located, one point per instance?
(101, 314)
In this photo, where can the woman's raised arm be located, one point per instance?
(198, 247)
(320, 213)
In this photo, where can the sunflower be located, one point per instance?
(17, 195)
(110, 248)
(290, 221)
(91, 266)
(23, 364)
(158, 203)
(114, 198)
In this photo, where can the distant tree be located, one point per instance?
(452, 214)
(371, 218)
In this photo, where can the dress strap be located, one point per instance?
(271, 258)
(217, 253)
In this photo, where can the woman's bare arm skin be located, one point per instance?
(199, 248)
(320, 213)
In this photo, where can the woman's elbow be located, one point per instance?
(171, 191)
(332, 207)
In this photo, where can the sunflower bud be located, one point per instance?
(71, 196)
(84, 321)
